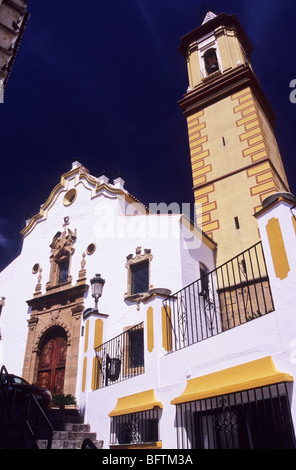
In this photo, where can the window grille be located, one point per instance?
(135, 428)
(120, 358)
(252, 419)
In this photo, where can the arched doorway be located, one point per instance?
(52, 361)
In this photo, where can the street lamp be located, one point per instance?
(97, 284)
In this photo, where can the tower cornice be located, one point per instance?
(221, 20)
(227, 84)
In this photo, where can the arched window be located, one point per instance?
(211, 61)
(60, 259)
(63, 269)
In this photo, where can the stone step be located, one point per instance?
(67, 444)
(74, 427)
(73, 435)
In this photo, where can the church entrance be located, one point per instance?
(52, 362)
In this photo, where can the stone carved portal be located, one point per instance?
(52, 361)
(52, 350)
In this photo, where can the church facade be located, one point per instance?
(168, 335)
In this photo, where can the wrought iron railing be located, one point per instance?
(135, 428)
(232, 294)
(258, 418)
(120, 358)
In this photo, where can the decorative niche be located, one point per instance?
(62, 247)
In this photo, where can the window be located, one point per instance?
(252, 419)
(63, 268)
(120, 358)
(204, 281)
(135, 428)
(138, 277)
(211, 61)
(62, 247)
(136, 348)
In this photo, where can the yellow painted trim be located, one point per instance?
(262, 187)
(246, 97)
(202, 200)
(259, 156)
(205, 169)
(167, 338)
(265, 176)
(249, 111)
(135, 403)
(98, 339)
(247, 376)
(294, 223)
(94, 376)
(150, 445)
(86, 336)
(255, 140)
(247, 135)
(258, 169)
(254, 149)
(249, 118)
(205, 190)
(252, 124)
(197, 156)
(198, 142)
(197, 165)
(241, 93)
(84, 374)
(211, 226)
(150, 331)
(195, 116)
(277, 248)
(197, 127)
(243, 106)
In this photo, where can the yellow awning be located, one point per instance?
(243, 377)
(142, 401)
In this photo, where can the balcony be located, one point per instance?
(120, 358)
(233, 294)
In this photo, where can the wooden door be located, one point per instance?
(52, 363)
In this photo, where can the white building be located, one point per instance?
(175, 351)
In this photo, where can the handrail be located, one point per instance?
(88, 444)
(34, 432)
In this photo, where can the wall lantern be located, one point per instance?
(97, 284)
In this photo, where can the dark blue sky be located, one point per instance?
(100, 81)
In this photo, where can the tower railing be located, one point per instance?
(233, 294)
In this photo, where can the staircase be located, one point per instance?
(69, 430)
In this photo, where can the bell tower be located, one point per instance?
(234, 154)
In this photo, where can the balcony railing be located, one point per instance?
(120, 358)
(235, 293)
